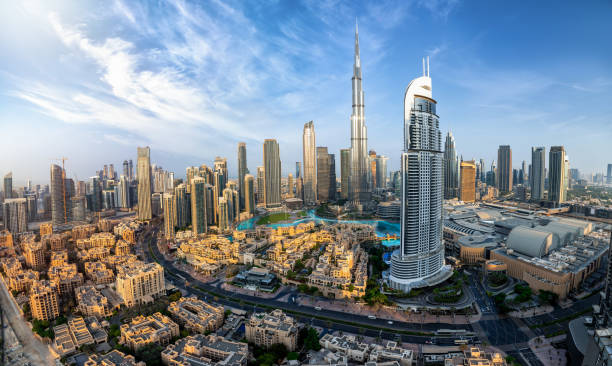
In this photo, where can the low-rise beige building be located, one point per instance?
(139, 282)
(474, 356)
(44, 301)
(122, 247)
(196, 315)
(22, 280)
(6, 239)
(34, 253)
(79, 332)
(91, 302)
(63, 340)
(113, 358)
(115, 261)
(266, 329)
(142, 331)
(93, 254)
(66, 278)
(209, 350)
(58, 258)
(46, 228)
(98, 273)
(11, 266)
(55, 242)
(83, 231)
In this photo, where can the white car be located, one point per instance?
(317, 308)
(371, 317)
(389, 322)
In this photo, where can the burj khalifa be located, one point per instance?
(360, 193)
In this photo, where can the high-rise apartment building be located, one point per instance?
(8, 185)
(144, 183)
(169, 207)
(359, 174)
(249, 194)
(242, 171)
(345, 171)
(290, 184)
(44, 301)
(15, 215)
(372, 164)
(137, 282)
(198, 206)
(537, 175)
(310, 160)
(556, 175)
(260, 184)
(381, 171)
(467, 192)
(224, 219)
(272, 173)
(419, 261)
(483, 174)
(524, 177)
(451, 172)
(609, 176)
(298, 170)
(182, 206)
(504, 169)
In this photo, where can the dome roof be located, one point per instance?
(531, 242)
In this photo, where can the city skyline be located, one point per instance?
(102, 107)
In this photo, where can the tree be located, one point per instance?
(309, 338)
(175, 296)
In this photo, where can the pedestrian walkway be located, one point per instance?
(547, 354)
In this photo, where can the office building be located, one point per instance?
(242, 171)
(451, 171)
(523, 176)
(609, 176)
(537, 175)
(324, 183)
(8, 185)
(467, 192)
(290, 185)
(260, 184)
(224, 215)
(483, 174)
(249, 194)
(504, 169)
(556, 175)
(266, 329)
(272, 174)
(199, 221)
(345, 172)
(309, 178)
(138, 283)
(144, 184)
(419, 261)
(15, 215)
(359, 175)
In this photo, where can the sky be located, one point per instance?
(93, 80)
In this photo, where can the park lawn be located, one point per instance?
(273, 218)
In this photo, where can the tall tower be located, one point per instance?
(359, 182)
(345, 170)
(504, 169)
(556, 174)
(242, 171)
(451, 178)
(323, 169)
(169, 205)
(272, 173)
(310, 167)
(260, 184)
(60, 211)
(467, 192)
(198, 206)
(538, 165)
(144, 183)
(419, 261)
(249, 194)
(8, 185)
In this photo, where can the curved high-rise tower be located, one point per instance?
(419, 261)
(358, 182)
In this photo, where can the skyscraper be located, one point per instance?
(420, 259)
(556, 175)
(144, 183)
(182, 205)
(242, 171)
(524, 173)
(381, 171)
(322, 174)
(126, 169)
(60, 196)
(260, 184)
(198, 206)
(504, 169)
(272, 173)
(169, 205)
(483, 174)
(131, 170)
(95, 194)
(332, 177)
(359, 181)
(15, 215)
(298, 169)
(372, 167)
(451, 176)
(223, 215)
(345, 171)
(467, 192)
(8, 185)
(310, 168)
(290, 185)
(124, 191)
(249, 194)
(537, 175)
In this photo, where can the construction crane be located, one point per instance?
(63, 159)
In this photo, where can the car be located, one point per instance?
(317, 308)
(389, 322)
(371, 317)
(428, 342)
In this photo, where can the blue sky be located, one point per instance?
(92, 80)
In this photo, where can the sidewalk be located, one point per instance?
(546, 353)
(532, 312)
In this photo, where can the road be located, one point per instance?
(32, 347)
